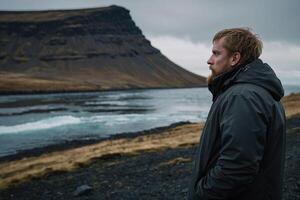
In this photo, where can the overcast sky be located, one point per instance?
(183, 30)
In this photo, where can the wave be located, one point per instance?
(34, 111)
(41, 124)
(106, 103)
(105, 120)
(67, 120)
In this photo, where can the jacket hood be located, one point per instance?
(256, 72)
(261, 74)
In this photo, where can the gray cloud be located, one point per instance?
(183, 29)
(199, 20)
(273, 20)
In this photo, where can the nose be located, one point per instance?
(209, 61)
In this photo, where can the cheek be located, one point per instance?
(218, 65)
(220, 61)
(221, 64)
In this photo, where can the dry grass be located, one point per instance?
(28, 168)
(176, 161)
(291, 104)
(23, 82)
(37, 79)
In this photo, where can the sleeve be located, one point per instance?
(243, 129)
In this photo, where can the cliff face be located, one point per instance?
(86, 49)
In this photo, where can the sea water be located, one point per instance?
(29, 121)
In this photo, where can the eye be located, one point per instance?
(216, 53)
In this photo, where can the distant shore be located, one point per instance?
(4, 93)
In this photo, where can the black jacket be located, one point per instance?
(241, 153)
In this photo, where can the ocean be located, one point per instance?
(30, 121)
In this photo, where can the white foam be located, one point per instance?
(41, 124)
(113, 103)
(114, 119)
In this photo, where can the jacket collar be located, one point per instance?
(224, 80)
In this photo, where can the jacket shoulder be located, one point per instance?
(248, 90)
(256, 96)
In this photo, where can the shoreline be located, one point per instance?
(67, 145)
(38, 92)
(291, 103)
(12, 93)
(13, 172)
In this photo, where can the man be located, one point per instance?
(241, 153)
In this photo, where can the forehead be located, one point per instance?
(218, 45)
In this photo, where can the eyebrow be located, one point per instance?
(215, 51)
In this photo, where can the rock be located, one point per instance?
(82, 190)
(60, 193)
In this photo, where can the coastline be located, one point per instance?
(291, 103)
(10, 93)
(27, 168)
(67, 145)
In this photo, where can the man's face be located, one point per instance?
(220, 60)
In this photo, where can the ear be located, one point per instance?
(235, 58)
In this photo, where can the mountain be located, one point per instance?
(82, 50)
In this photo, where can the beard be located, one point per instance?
(213, 74)
(210, 78)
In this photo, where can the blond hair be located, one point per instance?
(241, 40)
